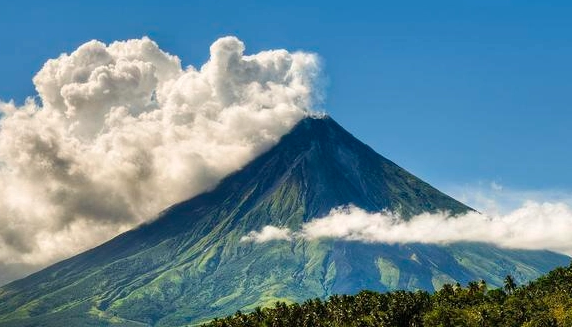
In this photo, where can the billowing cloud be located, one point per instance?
(118, 132)
(533, 226)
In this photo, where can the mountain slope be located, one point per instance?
(189, 264)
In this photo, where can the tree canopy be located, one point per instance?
(545, 302)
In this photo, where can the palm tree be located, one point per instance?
(258, 314)
(473, 288)
(483, 286)
(509, 284)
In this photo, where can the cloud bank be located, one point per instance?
(534, 226)
(118, 132)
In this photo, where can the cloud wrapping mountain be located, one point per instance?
(534, 226)
(119, 132)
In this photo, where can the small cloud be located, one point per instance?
(268, 233)
(495, 199)
(496, 187)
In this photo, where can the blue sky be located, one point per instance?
(457, 92)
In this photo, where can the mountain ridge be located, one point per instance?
(189, 265)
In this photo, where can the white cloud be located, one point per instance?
(268, 233)
(533, 226)
(122, 131)
(494, 198)
(496, 186)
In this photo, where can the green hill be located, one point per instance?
(189, 265)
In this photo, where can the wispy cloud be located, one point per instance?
(532, 226)
(494, 198)
(268, 233)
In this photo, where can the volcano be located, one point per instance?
(189, 264)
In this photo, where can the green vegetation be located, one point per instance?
(546, 302)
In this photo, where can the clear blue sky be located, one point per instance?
(454, 91)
